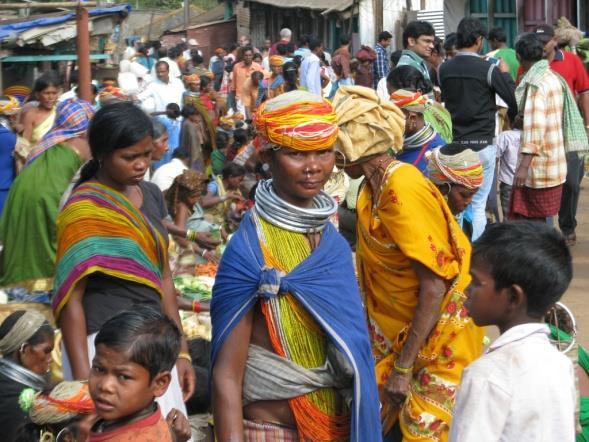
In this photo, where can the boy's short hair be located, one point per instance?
(416, 29)
(497, 34)
(529, 47)
(469, 29)
(151, 339)
(531, 255)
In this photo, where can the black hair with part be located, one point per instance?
(469, 30)
(150, 338)
(529, 47)
(451, 41)
(173, 111)
(115, 126)
(282, 49)
(196, 58)
(204, 82)
(417, 28)
(497, 34)
(221, 140)
(344, 40)
(48, 79)
(232, 170)
(246, 49)
(290, 72)
(384, 35)
(314, 43)
(45, 331)
(409, 78)
(529, 254)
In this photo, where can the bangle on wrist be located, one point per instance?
(402, 370)
(196, 307)
(184, 355)
(191, 235)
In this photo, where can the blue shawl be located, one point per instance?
(325, 284)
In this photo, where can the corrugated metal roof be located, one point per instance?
(436, 18)
(336, 5)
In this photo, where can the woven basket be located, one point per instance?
(7, 309)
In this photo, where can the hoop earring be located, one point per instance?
(449, 188)
(340, 169)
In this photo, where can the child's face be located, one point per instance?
(486, 305)
(119, 387)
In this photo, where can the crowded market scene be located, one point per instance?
(294, 236)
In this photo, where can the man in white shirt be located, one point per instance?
(164, 90)
(164, 176)
(522, 389)
(310, 73)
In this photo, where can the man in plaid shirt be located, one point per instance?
(542, 167)
(382, 64)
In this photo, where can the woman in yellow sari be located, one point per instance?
(413, 264)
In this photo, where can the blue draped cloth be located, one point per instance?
(325, 284)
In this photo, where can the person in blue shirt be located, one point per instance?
(9, 106)
(173, 124)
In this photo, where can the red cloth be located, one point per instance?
(571, 68)
(527, 202)
(152, 428)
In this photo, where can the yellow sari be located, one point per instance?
(412, 221)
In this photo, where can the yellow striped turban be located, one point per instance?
(194, 78)
(298, 120)
(463, 168)
(412, 101)
(9, 105)
(276, 60)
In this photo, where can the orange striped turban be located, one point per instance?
(194, 78)
(298, 120)
(463, 168)
(276, 60)
(412, 101)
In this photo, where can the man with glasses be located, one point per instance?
(418, 41)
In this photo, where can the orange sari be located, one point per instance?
(412, 221)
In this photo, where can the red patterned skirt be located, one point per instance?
(267, 432)
(535, 203)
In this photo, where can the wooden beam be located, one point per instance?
(55, 5)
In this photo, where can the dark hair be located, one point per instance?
(173, 53)
(409, 78)
(497, 34)
(196, 58)
(221, 140)
(150, 338)
(162, 52)
(531, 255)
(49, 78)
(93, 89)
(529, 47)
(469, 29)
(240, 137)
(204, 82)
(159, 128)
(314, 43)
(258, 56)
(438, 45)
(45, 331)
(115, 126)
(163, 63)
(415, 29)
(181, 153)
(290, 73)
(297, 60)
(231, 170)
(173, 110)
(384, 35)
(395, 57)
(245, 49)
(344, 39)
(304, 40)
(450, 41)
(282, 49)
(188, 110)
(231, 47)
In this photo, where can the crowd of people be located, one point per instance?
(253, 164)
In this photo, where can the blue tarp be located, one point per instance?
(7, 30)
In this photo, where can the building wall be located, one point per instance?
(213, 36)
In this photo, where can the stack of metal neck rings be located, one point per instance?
(273, 209)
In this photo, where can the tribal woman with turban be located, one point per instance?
(192, 97)
(420, 137)
(413, 265)
(26, 343)
(274, 85)
(27, 229)
(291, 357)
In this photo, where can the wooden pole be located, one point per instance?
(377, 6)
(83, 52)
(55, 5)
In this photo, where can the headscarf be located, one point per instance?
(9, 105)
(276, 60)
(67, 400)
(298, 120)
(193, 78)
(189, 181)
(71, 121)
(368, 126)
(22, 330)
(412, 101)
(111, 92)
(463, 168)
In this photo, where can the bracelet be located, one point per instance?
(196, 307)
(184, 355)
(191, 235)
(402, 370)
(204, 252)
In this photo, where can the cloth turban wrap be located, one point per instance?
(22, 330)
(298, 120)
(412, 101)
(276, 60)
(194, 78)
(9, 105)
(368, 126)
(464, 169)
(67, 400)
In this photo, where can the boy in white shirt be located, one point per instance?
(522, 389)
